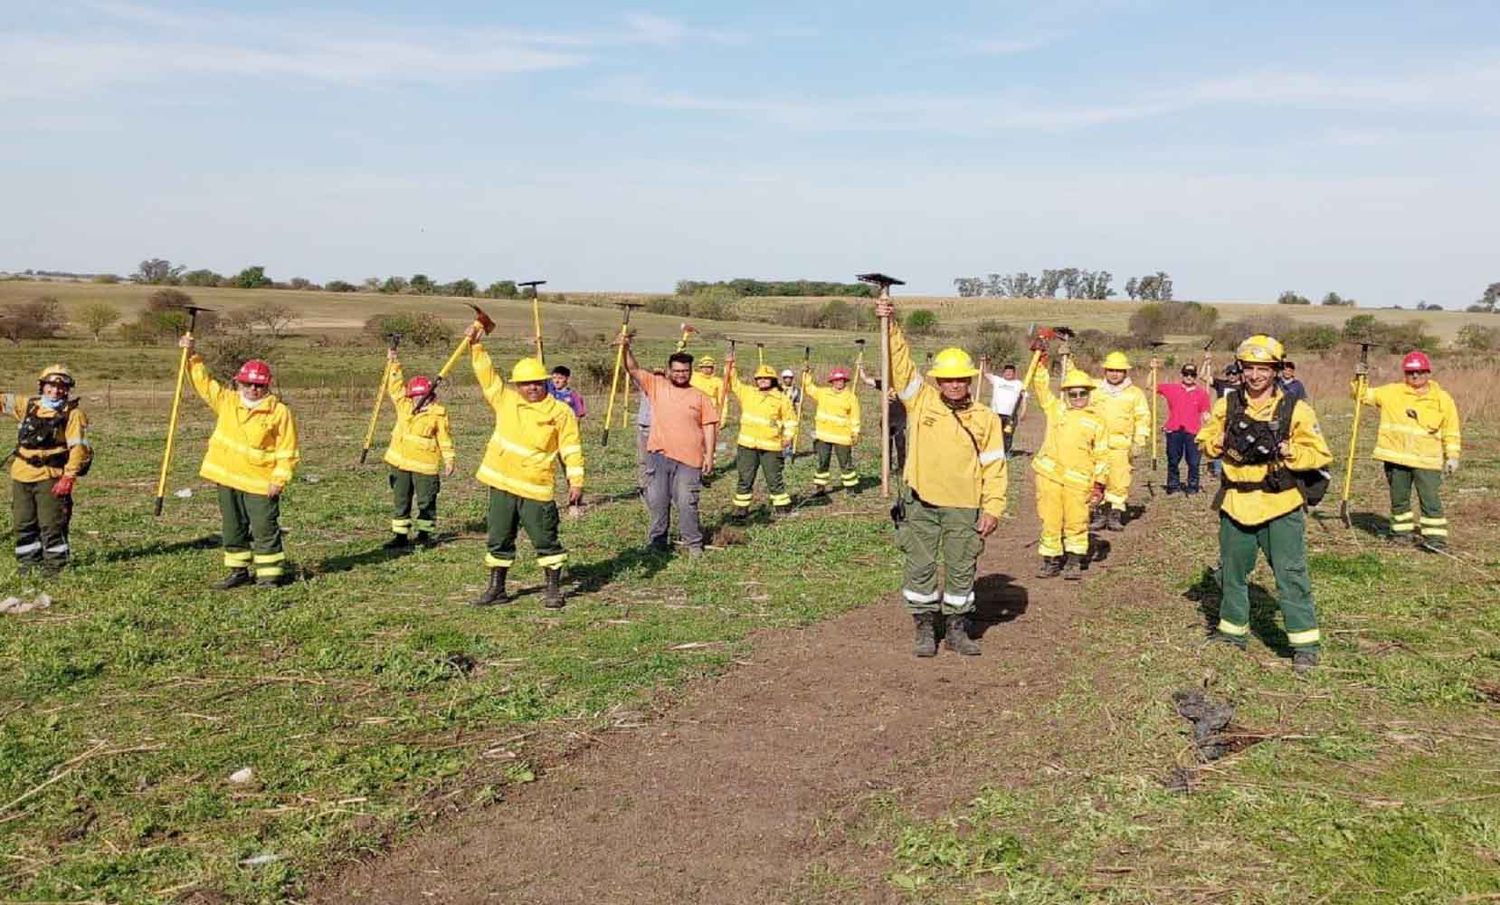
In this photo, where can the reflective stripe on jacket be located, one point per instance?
(942, 465)
(421, 442)
(1418, 430)
(250, 449)
(1075, 451)
(1126, 413)
(529, 437)
(768, 421)
(837, 418)
(1309, 452)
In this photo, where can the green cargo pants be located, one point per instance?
(746, 461)
(407, 486)
(932, 533)
(252, 532)
(1427, 481)
(848, 477)
(508, 514)
(41, 521)
(1285, 544)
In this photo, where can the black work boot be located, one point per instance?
(1097, 519)
(424, 539)
(237, 578)
(820, 490)
(495, 593)
(1051, 567)
(924, 642)
(738, 515)
(552, 596)
(781, 511)
(1115, 520)
(397, 542)
(269, 581)
(957, 639)
(1304, 661)
(1072, 569)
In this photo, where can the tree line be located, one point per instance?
(162, 272)
(778, 288)
(1071, 282)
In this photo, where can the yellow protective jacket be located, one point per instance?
(67, 457)
(712, 386)
(251, 448)
(1126, 413)
(1075, 451)
(1418, 430)
(768, 420)
(943, 465)
(421, 442)
(837, 418)
(529, 437)
(1309, 451)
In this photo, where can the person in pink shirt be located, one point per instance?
(1188, 405)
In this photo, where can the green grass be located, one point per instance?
(1376, 782)
(365, 696)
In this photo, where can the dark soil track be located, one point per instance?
(723, 797)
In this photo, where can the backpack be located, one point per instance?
(1251, 442)
(36, 432)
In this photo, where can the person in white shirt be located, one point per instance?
(1007, 397)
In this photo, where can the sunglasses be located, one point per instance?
(1078, 394)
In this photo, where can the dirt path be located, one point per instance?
(722, 798)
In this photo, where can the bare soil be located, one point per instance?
(740, 789)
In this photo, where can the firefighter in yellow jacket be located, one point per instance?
(1071, 469)
(532, 431)
(52, 453)
(251, 456)
(1269, 443)
(1418, 440)
(705, 379)
(1127, 417)
(835, 428)
(768, 422)
(420, 456)
(955, 480)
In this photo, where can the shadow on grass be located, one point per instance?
(350, 561)
(157, 548)
(997, 599)
(1263, 611)
(597, 575)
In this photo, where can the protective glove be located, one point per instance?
(64, 486)
(1450, 466)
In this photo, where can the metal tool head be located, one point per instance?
(860, 343)
(1064, 332)
(1157, 343)
(1208, 345)
(195, 309)
(879, 279)
(629, 305)
(533, 283)
(393, 339)
(485, 322)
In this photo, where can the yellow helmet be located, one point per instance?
(765, 371)
(706, 360)
(1260, 349)
(952, 364)
(1076, 379)
(1116, 361)
(528, 370)
(58, 373)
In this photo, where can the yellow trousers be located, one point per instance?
(1117, 485)
(1064, 512)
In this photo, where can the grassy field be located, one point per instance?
(1374, 781)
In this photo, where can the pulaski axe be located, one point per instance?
(166, 459)
(486, 325)
(883, 284)
(536, 315)
(393, 341)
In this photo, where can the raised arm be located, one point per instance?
(395, 380)
(484, 372)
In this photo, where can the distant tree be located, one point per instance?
(98, 317)
(1288, 297)
(419, 328)
(921, 322)
(393, 285)
(1094, 284)
(1334, 300)
(1425, 305)
(1132, 288)
(106, 278)
(274, 316)
(202, 278)
(1156, 287)
(1489, 300)
(1020, 285)
(252, 277)
(506, 289)
(1479, 338)
(302, 284)
(157, 272)
(969, 287)
(340, 286)
(370, 284)
(463, 288)
(1048, 285)
(40, 318)
(421, 284)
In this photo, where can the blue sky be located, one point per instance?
(1333, 146)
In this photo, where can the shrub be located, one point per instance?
(1334, 300)
(1002, 344)
(1151, 322)
(98, 317)
(417, 328)
(341, 286)
(922, 322)
(663, 304)
(224, 356)
(106, 278)
(202, 278)
(711, 304)
(1479, 338)
(40, 318)
(501, 289)
(1312, 338)
(252, 277)
(1230, 335)
(1292, 298)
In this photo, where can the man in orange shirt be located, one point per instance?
(679, 448)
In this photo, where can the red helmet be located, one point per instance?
(255, 372)
(1416, 361)
(418, 387)
(838, 374)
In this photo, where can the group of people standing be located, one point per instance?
(951, 458)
